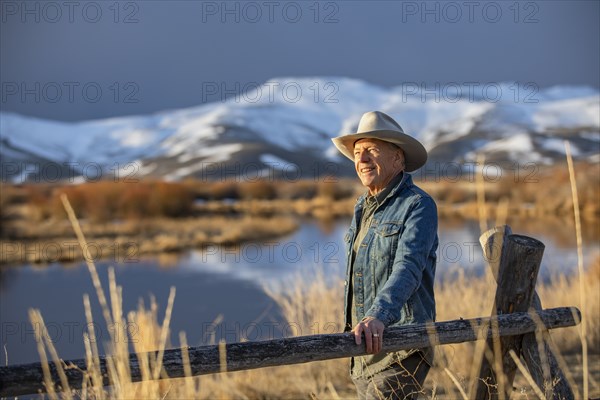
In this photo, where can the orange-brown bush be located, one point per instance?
(214, 190)
(263, 189)
(302, 189)
(104, 201)
(335, 188)
(38, 196)
(540, 191)
(134, 203)
(170, 200)
(12, 194)
(259, 189)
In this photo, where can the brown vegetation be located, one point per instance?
(155, 216)
(531, 193)
(101, 201)
(105, 201)
(314, 306)
(127, 241)
(544, 192)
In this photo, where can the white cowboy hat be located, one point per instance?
(377, 125)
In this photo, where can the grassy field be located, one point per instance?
(317, 304)
(53, 241)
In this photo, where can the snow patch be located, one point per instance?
(558, 146)
(277, 163)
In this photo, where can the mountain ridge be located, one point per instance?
(285, 126)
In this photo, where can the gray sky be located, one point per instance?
(147, 56)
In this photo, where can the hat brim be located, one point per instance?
(415, 155)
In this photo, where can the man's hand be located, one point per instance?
(373, 330)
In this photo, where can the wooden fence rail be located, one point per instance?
(28, 378)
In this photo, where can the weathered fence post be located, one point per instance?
(516, 273)
(550, 379)
(504, 256)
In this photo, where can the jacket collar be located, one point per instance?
(406, 180)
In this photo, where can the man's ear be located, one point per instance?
(400, 157)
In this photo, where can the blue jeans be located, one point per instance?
(403, 380)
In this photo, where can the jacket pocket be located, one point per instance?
(388, 234)
(389, 229)
(383, 251)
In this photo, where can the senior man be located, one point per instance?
(391, 257)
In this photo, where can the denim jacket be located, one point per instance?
(394, 269)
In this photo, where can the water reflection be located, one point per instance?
(202, 297)
(311, 247)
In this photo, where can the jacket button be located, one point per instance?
(345, 283)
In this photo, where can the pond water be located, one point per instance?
(226, 284)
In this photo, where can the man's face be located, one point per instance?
(376, 163)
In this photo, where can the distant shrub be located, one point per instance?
(103, 201)
(259, 189)
(304, 189)
(222, 190)
(9, 196)
(12, 194)
(134, 202)
(171, 200)
(76, 197)
(37, 197)
(335, 188)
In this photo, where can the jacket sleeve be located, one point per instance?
(414, 245)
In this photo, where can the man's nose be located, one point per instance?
(363, 156)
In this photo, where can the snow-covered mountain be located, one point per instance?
(283, 128)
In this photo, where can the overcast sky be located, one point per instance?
(110, 59)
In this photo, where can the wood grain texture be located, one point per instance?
(543, 367)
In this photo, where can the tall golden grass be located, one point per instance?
(316, 306)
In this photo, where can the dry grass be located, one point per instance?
(126, 219)
(314, 308)
(529, 192)
(470, 297)
(538, 192)
(319, 207)
(317, 307)
(126, 242)
(104, 201)
(565, 290)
